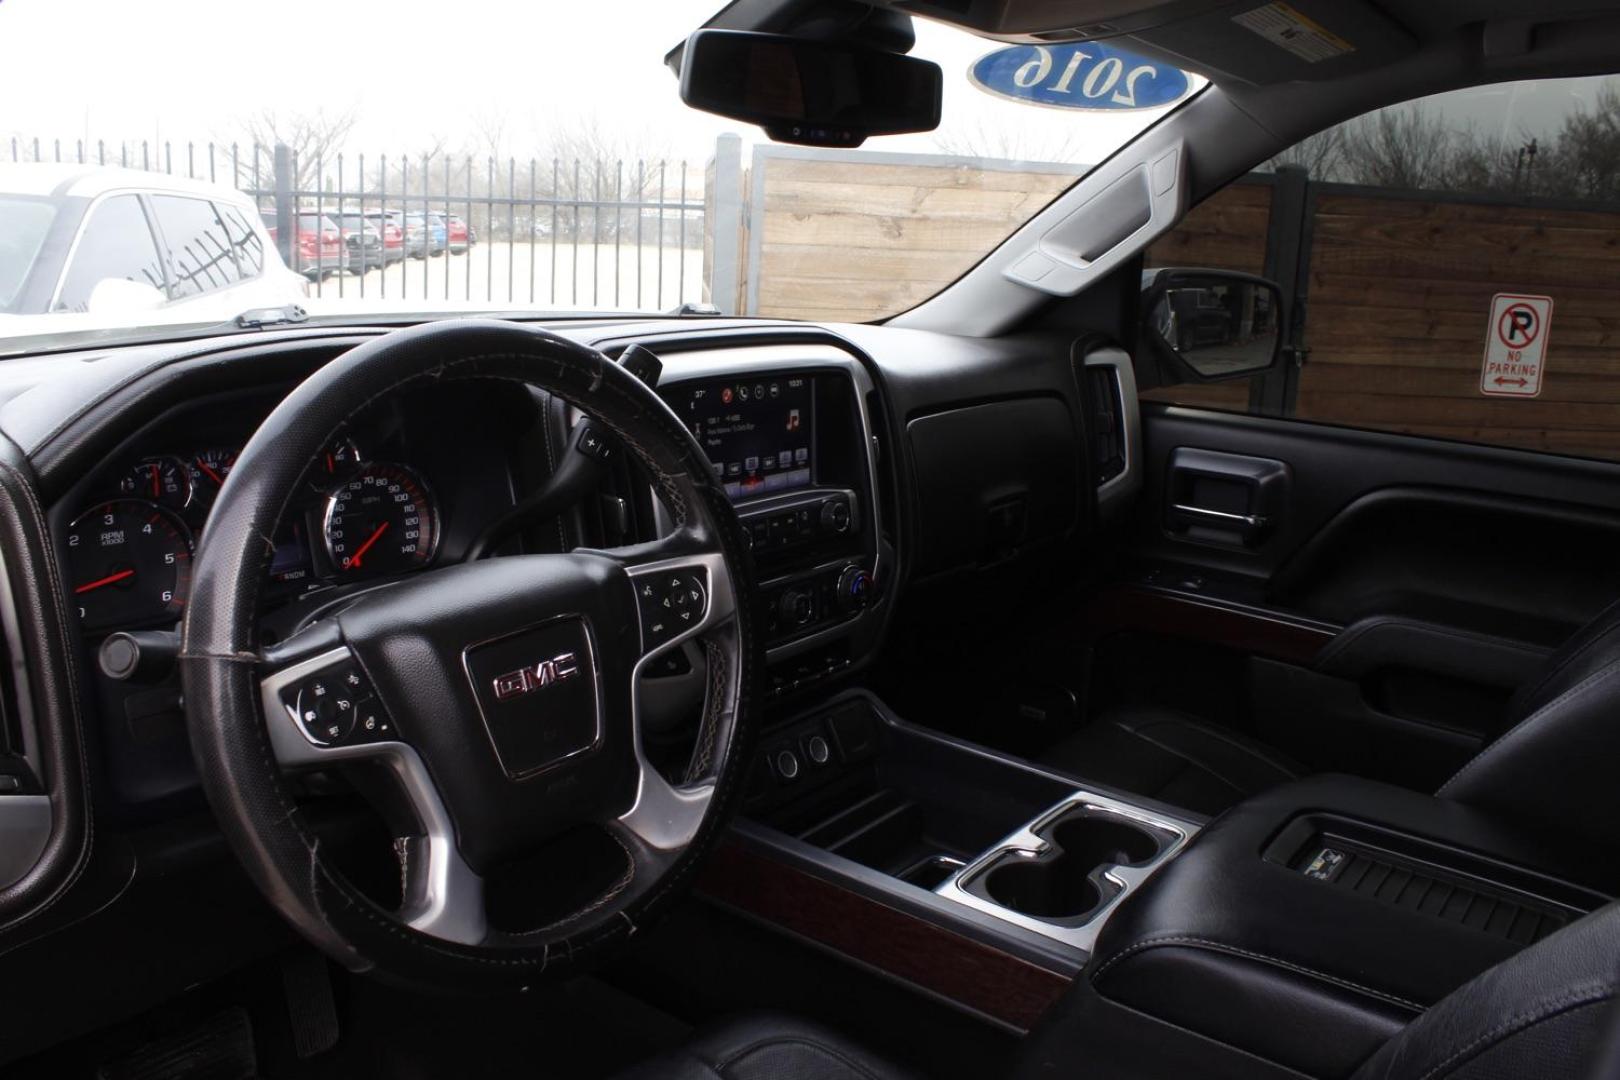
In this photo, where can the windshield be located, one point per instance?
(575, 178)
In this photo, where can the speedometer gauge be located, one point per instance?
(380, 521)
(131, 564)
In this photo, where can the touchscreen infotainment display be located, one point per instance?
(759, 431)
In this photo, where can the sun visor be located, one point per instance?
(1258, 42)
(1303, 40)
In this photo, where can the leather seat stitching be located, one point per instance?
(1578, 654)
(1218, 946)
(725, 1063)
(1568, 695)
(1349, 637)
(1592, 994)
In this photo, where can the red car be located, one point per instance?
(390, 224)
(459, 234)
(319, 247)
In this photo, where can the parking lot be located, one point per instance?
(541, 273)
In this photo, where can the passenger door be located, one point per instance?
(1360, 557)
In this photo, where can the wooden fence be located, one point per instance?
(1399, 296)
(860, 235)
(1392, 290)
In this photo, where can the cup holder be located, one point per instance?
(1055, 889)
(1065, 881)
(1095, 841)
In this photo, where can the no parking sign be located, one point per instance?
(1515, 343)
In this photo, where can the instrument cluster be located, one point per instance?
(129, 553)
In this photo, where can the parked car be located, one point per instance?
(425, 234)
(362, 242)
(79, 238)
(318, 248)
(391, 224)
(458, 233)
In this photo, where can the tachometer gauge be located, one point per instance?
(131, 564)
(164, 480)
(381, 520)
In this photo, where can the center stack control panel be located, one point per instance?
(792, 447)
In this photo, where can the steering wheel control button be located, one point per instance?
(592, 443)
(671, 603)
(371, 722)
(787, 765)
(537, 692)
(328, 707)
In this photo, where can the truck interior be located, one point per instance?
(1022, 715)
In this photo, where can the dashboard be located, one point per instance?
(828, 442)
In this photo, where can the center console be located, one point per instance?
(992, 875)
(1308, 925)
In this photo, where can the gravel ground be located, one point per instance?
(500, 272)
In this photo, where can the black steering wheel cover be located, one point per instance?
(219, 660)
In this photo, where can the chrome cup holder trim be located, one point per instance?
(1079, 932)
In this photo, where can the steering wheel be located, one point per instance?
(500, 695)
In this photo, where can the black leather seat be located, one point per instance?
(766, 1048)
(1544, 1012)
(1553, 765)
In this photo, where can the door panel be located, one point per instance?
(1444, 574)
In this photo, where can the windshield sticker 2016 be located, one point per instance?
(1515, 345)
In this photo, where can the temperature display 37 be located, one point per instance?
(758, 432)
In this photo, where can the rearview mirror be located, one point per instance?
(815, 92)
(1210, 325)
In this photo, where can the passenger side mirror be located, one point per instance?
(1210, 325)
(820, 93)
(121, 296)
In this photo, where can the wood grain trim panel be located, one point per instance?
(978, 976)
(1245, 629)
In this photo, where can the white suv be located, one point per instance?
(118, 242)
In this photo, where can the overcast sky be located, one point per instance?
(194, 69)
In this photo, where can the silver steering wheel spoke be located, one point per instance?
(681, 594)
(319, 716)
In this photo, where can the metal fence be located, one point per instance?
(580, 232)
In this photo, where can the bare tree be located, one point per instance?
(314, 138)
(1320, 155)
(1398, 148)
(1006, 143)
(1585, 157)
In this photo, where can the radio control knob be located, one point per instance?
(835, 516)
(854, 589)
(796, 608)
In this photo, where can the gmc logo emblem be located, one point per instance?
(536, 677)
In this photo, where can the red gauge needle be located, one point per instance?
(212, 475)
(156, 476)
(108, 580)
(354, 560)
